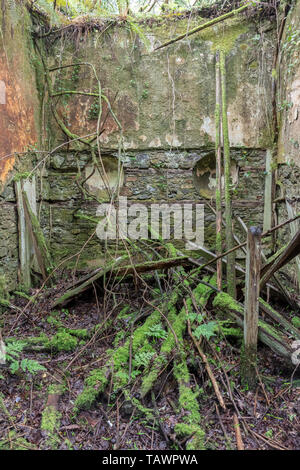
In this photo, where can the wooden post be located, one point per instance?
(268, 192)
(218, 172)
(230, 272)
(38, 240)
(24, 239)
(251, 309)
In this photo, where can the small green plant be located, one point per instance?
(296, 322)
(157, 331)
(269, 433)
(94, 111)
(143, 358)
(292, 416)
(206, 329)
(284, 105)
(145, 94)
(13, 352)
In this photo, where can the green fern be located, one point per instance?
(206, 329)
(193, 316)
(139, 32)
(31, 366)
(13, 352)
(157, 331)
(143, 358)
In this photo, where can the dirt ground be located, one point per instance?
(268, 417)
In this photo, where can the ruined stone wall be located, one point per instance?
(149, 177)
(165, 102)
(289, 112)
(19, 122)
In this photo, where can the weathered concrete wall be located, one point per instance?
(166, 98)
(149, 177)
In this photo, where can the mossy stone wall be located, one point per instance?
(165, 103)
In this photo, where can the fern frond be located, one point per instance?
(206, 329)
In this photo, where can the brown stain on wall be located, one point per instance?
(17, 125)
(19, 104)
(76, 115)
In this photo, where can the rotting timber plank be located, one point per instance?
(267, 334)
(38, 239)
(24, 246)
(115, 267)
(251, 308)
(291, 251)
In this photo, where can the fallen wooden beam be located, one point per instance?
(269, 261)
(115, 268)
(289, 328)
(267, 334)
(291, 251)
(206, 25)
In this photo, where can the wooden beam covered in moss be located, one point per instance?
(38, 239)
(267, 334)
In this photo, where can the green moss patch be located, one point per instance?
(94, 384)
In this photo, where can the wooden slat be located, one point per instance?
(251, 309)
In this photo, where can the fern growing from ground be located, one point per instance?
(206, 329)
(12, 357)
(143, 358)
(157, 331)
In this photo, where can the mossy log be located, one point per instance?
(267, 334)
(51, 417)
(178, 320)
(277, 317)
(290, 252)
(115, 268)
(117, 364)
(190, 426)
(206, 25)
